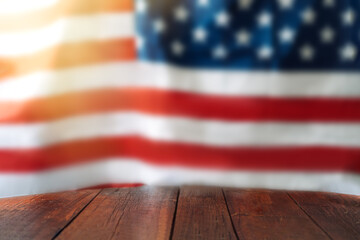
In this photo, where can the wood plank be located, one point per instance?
(338, 215)
(126, 213)
(40, 216)
(202, 214)
(261, 214)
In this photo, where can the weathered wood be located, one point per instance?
(338, 215)
(126, 213)
(40, 216)
(202, 214)
(265, 214)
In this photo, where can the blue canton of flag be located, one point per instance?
(248, 34)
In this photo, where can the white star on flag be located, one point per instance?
(286, 35)
(307, 52)
(285, 4)
(245, 4)
(348, 52)
(329, 3)
(177, 48)
(199, 35)
(243, 37)
(308, 16)
(265, 52)
(203, 3)
(265, 19)
(327, 35)
(159, 25)
(219, 52)
(222, 19)
(348, 17)
(141, 6)
(181, 14)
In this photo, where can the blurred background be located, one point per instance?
(241, 93)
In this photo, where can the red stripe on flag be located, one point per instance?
(70, 55)
(191, 155)
(175, 103)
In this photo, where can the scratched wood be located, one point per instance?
(40, 216)
(202, 214)
(338, 215)
(269, 215)
(191, 213)
(127, 213)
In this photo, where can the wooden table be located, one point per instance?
(185, 213)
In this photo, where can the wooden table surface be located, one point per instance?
(180, 213)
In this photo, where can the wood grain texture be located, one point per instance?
(338, 215)
(265, 214)
(191, 213)
(126, 213)
(202, 214)
(40, 216)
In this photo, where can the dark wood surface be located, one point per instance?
(202, 214)
(41, 216)
(181, 213)
(130, 213)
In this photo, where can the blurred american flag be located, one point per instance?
(240, 93)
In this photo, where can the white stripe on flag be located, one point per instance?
(122, 170)
(8, 7)
(161, 76)
(68, 30)
(179, 129)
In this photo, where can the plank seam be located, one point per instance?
(228, 210)
(71, 220)
(311, 218)
(174, 216)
